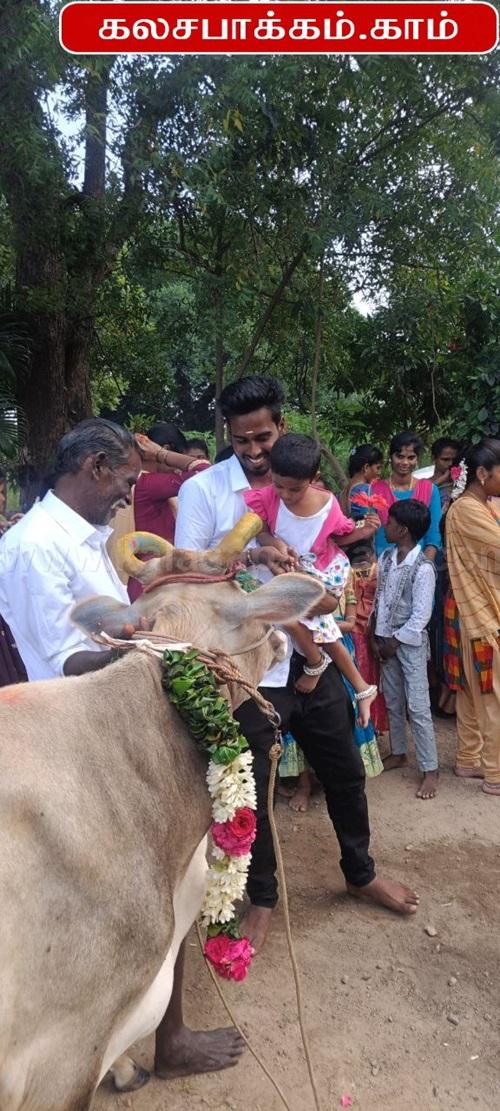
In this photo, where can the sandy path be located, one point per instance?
(377, 989)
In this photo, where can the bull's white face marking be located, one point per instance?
(148, 1012)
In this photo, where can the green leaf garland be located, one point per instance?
(192, 688)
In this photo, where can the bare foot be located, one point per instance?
(306, 683)
(491, 788)
(255, 924)
(429, 785)
(389, 893)
(192, 1051)
(300, 799)
(285, 792)
(393, 761)
(469, 773)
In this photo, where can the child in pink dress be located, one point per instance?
(304, 522)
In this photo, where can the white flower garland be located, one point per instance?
(193, 691)
(231, 786)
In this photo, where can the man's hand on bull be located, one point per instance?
(277, 559)
(278, 555)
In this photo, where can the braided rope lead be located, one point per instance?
(274, 756)
(237, 1026)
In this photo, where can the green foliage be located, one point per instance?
(192, 689)
(196, 255)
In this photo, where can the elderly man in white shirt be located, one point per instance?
(209, 506)
(56, 555)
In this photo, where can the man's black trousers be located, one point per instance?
(322, 723)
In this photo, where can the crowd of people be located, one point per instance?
(409, 625)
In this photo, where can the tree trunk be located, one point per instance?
(41, 391)
(219, 366)
(317, 350)
(54, 393)
(266, 316)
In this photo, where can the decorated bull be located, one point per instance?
(104, 813)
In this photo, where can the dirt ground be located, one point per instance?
(397, 1019)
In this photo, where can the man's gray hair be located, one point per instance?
(92, 437)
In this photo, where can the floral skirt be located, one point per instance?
(365, 585)
(365, 738)
(292, 761)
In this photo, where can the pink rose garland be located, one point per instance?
(231, 957)
(236, 836)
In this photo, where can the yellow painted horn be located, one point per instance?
(145, 543)
(243, 531)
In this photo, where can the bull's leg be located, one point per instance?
(181, 1051)
(127, 1076)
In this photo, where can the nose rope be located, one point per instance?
(219, 662)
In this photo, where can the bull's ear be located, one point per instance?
(285, 598)
(107, 615)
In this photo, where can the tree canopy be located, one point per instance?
(168, 224)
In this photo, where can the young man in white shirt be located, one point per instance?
(209, 506)
(56, 556)
(403, 609)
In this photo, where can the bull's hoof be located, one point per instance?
(140, 1078)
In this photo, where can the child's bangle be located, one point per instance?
(370, 692)
(325, 661)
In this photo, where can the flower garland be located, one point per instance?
(192, 689)
(459, 476)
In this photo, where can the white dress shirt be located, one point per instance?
(209, 505)
(50, 560)
(424, 585)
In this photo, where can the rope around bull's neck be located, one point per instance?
(226, 672)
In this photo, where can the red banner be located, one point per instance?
(281, 28)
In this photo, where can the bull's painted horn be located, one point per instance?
(246, 528)
(145, 543)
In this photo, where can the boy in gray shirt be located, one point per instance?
(403, 609)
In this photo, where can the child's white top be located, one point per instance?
(301, 532)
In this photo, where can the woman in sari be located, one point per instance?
(405, 450)
(473, 549)
(364, 737)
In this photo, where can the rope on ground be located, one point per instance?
(274, 756)
(236, 1024)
